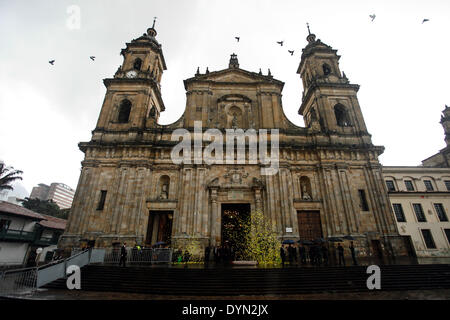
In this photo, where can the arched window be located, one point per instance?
(137, 64)
(124, 111)
(341, 115)
(326, 69)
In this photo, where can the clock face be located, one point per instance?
(131, 74)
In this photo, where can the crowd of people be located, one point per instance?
(316, 254)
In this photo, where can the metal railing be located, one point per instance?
(139, 256)
(18, 281)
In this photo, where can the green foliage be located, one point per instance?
(47, 207)
(7, 176)
(257, 241)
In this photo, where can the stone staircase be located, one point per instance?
(255, 281)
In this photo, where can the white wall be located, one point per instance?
(13, 253)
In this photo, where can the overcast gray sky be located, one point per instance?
(401, 64)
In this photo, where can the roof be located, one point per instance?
(53, 222)
(14, 209)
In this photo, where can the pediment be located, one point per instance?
(235, 76)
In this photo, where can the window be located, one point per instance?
(101, 203)
(341, 116)
(447, 184)
(409, 185)
(419, 212)
(429, 242)
(440, 212)
(390, 185)
(399, 214)
(124, 111)
(447, 234)
(363, 201)
(428, 185)
(4, 224)
(326, 69)
(137, 64)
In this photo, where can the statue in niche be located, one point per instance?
(234, 122)
(305, 194)
(164, 191)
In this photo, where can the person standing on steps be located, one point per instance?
(340, 249)
(123, 255)
(282, 255)
(353, 251)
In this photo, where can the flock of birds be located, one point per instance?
(52, 62)
(371, 16)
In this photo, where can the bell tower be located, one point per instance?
(329, 99)
(133, 99)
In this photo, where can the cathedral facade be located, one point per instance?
(328, 181)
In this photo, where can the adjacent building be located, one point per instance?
(420, 199)
(328, 180)
(22, 231)
(60, 193)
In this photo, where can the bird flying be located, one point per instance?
(280, 43)
(425, 20)
(291, 52)
(237, 38)
(372, 16)
(92, 58)
(51, 62)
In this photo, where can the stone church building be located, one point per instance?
(329, 181)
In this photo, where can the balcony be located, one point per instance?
(17, 235)
(46, 241)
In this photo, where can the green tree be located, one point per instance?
(7, 176)
(47, 207)
(257, 241)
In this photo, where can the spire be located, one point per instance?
(311, 36)
(234, 63)
(198, 71)
(269, 74)
(151, 31)
(207, 70)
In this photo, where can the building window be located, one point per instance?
(419, 212)
(440, 212)
(137, 64)
(390, 185)
(447, 184)
(326, 69)
(341, 115)
(428, 185)
(447, 234)
(4, 224)
(101, 203)
(429, 242)
(399, 214)
(124, 111)
(363, 201)
(409, 185)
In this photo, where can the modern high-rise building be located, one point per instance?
(58, 192)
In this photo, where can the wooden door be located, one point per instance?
(309, 225)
